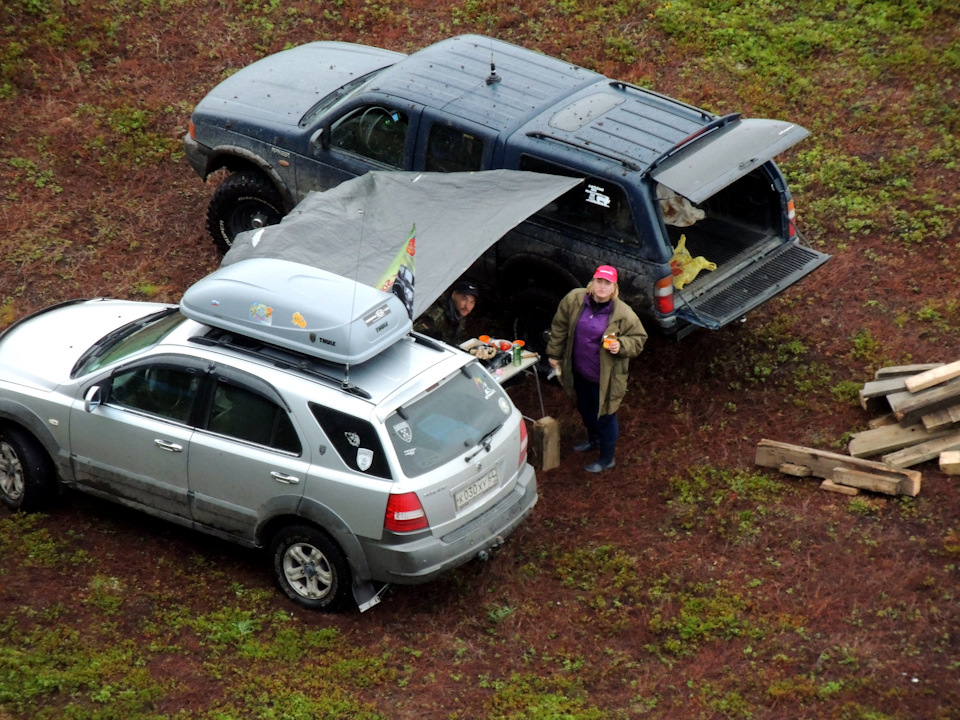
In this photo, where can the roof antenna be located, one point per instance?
(492, 77)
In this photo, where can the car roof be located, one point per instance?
(405, 367)
(536, 93)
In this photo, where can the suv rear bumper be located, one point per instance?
(420, 561)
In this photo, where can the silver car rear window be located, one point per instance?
(447, 421)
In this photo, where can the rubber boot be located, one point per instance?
(606, 460)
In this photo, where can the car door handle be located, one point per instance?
(168, 446)
(284, 478)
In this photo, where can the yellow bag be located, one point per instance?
(685, 266)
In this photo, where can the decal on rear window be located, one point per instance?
(403, 431)
(364, 459)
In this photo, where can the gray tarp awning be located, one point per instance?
(357, 228)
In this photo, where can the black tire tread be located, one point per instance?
(342, 594)
(40, 482)
(239, 187)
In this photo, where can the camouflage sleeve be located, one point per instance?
(431, 322)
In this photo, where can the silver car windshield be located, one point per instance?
(448, 421)
(132, 338)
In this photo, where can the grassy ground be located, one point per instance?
(688, 584)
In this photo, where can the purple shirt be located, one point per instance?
(588, 337)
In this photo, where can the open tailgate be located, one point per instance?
(746, 288)
(723, 155)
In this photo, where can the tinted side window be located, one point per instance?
(245, 415)
(597, 206)
(167, 392)
(355, 441)
(373, 132)
(453, 150)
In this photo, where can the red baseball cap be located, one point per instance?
(607, 273)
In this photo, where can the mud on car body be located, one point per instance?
(277, 406)
(653, 169)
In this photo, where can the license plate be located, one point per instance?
(471, 492)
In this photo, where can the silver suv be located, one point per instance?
(277, 406)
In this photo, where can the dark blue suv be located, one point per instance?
(658, 175)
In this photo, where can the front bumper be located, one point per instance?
(197, 155)
(399, 561)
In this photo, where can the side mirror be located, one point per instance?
(92, 398)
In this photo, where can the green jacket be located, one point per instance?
(613, 368)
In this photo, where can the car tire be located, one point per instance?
(533, 311)
(310, 568)
(27, 478)
(243, 201)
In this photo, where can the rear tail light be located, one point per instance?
(791, 220)
(523, 441)
(663, 294)
(404, 513)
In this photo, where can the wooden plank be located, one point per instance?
(888, 419)
(924, 451)
(916, 383)
(831, 486)
(773, 454)
(866, 481)
(941, 418)
(889, 438)
(873, 393)
(898, 370)
(950, 462)
(908, 406)
(795, 470)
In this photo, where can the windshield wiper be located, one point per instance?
(483, 442)
(114, 336)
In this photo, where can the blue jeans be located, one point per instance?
(603, 431)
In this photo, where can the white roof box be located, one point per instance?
(299, 307)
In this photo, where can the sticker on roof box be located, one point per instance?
(261, 314)
(377, 315)
(299, 320)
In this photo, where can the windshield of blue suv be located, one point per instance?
(132, 338)
(448, 420)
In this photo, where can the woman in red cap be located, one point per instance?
(593, 336)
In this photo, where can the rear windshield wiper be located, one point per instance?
(483, 442)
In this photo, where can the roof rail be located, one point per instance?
(626, 162)
(621, 85)
(279, 357)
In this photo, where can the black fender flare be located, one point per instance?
(332, 524)
(15, 413)
(238, 159)
(523, 271)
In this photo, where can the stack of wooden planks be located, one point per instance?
(921, 406)
(920, 421)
